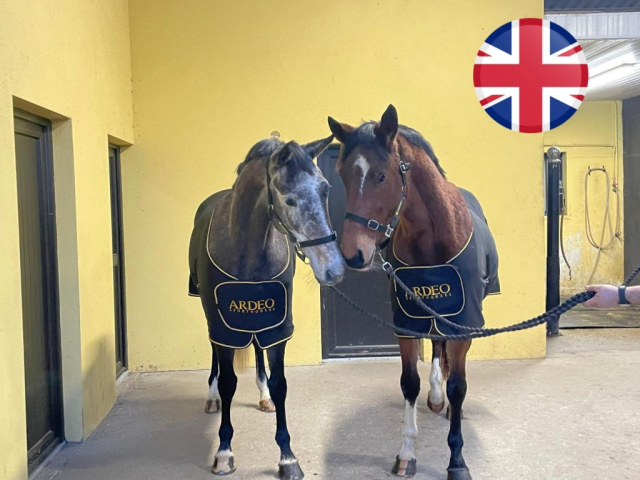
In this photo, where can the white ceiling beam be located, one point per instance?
(600, 26)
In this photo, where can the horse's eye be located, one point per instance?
(382, 178)
(324, 190)
(291, 202)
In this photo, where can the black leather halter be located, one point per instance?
(280, 226)
(389, 228)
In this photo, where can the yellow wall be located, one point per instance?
(593, 137)
(208, 81)
(68, 61)
(213, 78)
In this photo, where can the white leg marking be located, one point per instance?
(288, 461)
(224, 462)
(410, 431)
(213, 390)
(364, 166)
(224, 454)
(264, 388)
(436, 395)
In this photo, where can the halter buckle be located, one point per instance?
(373, 225)
(389, 231)
(404, 167)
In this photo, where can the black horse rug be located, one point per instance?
(239, 310)
(456, 289)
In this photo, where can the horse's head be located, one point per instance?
(368, 166)
(300, 193)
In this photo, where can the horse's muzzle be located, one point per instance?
(356, 262)
(331, 279)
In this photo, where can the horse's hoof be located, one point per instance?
(212, 406)
(404, 468)
(458, 474)
(290, 470)
(267, 406)
(449, 413)
(224, 464)
(435, 408)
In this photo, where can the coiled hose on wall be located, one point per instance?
(606, 221)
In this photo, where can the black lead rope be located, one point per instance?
(630, 278)
(280, 226)
(472, 333)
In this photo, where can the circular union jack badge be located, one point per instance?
(530, 75)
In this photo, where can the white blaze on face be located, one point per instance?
(410, 431)
(364, 167)
(436, 395)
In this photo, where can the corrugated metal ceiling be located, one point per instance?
(613, 53)
(591, 5)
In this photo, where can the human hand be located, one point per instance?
(606, 296)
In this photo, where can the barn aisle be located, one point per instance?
(572, 415)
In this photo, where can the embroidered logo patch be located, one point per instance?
(440, 287)
(251, 306)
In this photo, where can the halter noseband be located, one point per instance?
(389, 228)
(280, 226)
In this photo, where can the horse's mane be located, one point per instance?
(364, 134)
(264, 148)
(299, 159)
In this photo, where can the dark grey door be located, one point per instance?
(118, 259)
(631, 138)
(345, 332)
(36, 214)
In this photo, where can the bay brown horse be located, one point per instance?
(241, 247)
(432, 224)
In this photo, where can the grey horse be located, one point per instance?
(242, 262)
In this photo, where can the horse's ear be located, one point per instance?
(340, 130)
(387, 129)
(317, 147)
(283, 155)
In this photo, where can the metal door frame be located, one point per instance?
(115, 180)
(52, 306)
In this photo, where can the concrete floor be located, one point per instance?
(574, 415)
(620, 317)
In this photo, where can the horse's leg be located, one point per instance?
(405, 465)
(213, 402)
(456, 391)
(224, 462)
(289, 466)
(266, 405)
(435, 399)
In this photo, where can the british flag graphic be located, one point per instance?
(530, 75)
